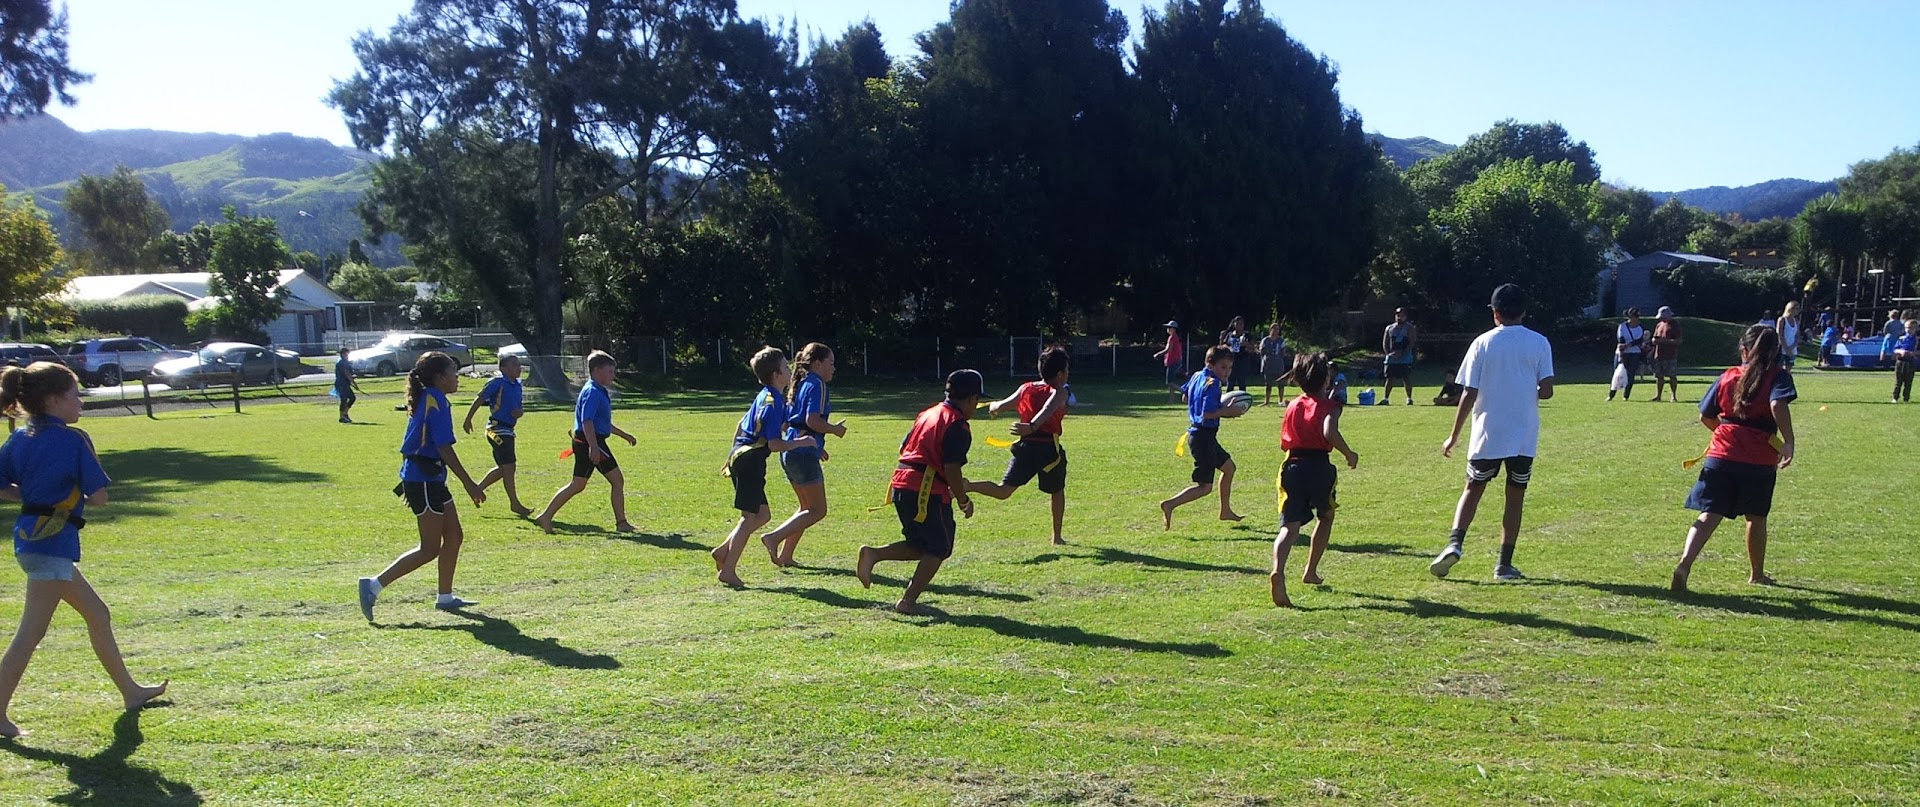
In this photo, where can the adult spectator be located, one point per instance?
(1788, 326)
(1398, 342)
(1273, 362)
(1630, 339)
(1236, 339)
(1890, 333)
(1667, 336)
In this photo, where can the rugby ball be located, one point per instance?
(1237, 402)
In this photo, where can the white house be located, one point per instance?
(311, 310)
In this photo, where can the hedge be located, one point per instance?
(159, 317)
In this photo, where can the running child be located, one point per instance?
(1747, 409)
(1508, 371)
(1043, 412)
(1906, 351)
(1203, 437)
(759, 433)
(503, 394)
(426, 455)
(344, 385)
(807, 410)
(1309, 433)
(592, 423)
(926, 486)
(51, 469)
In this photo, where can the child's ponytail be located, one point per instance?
(25, 391)
(427, 370)
(10, 381)
(1760, 354)
(802, 363)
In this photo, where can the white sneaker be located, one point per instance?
(1443, 564)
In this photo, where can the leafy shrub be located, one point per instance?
(156, 316)
(1734, 295)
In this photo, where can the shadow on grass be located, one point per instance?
(676, 540)
(1374, 549)
(107, 777)
(504, 635)
(1064, 635)
(1773, 603)
(1428, 609)
(959, 590)
(1107, 555)
(145, 478)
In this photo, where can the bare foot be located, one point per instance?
(625, 526)
(786, 562)
(145, 695)
(907, 608)
(1679, 583)
(1230, 516)
(9, 731)
(546, 525)
(1166, 514)
(773, 548)
(719, 554)
(1761, 580)
(863, 569)
(520, 510)
(731, 580)
(1277, 585)
(1059, 541)
(1311, 579)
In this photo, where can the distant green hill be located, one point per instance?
(308, 186)
(1778, 197)
(1404, 152)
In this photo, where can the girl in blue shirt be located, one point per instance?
(807, 408)
(51, 469)
(426, 455)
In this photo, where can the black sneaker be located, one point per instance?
(1507, 573)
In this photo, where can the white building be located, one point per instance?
(311, 309)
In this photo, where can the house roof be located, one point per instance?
(304, 293)
(1664, 259)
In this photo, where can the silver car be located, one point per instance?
(398, 351)
(226, 362)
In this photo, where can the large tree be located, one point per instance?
(33, 58)
(1435, 180)
(1521, 222)
(507, 119)
(1260, 184)
(29, 255)
(247, 258)
(114, 223)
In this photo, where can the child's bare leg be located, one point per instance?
(1322, 532)
(83, 598)
(922, 577)
(1059, 517)
(493, 475)
(430, 524)
(618, 482)
(560, 499)
(992, 490)
(1757, 551)
(43, 596)
(726, 556)
(898, 550)
(513, 494)
(1697, 537)
(451, 536)
(782, 540)
(1226, 493)
(1277, 579)
(1193, 493)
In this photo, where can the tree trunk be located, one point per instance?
(549, 287)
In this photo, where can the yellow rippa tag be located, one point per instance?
(1180, 445)
(999, 443)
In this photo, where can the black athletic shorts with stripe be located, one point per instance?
(1519, 471)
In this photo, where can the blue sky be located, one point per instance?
(1671, 95)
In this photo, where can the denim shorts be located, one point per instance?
(45, 567)
(803, 466)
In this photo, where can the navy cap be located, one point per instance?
(1509, 297)
(965, 384)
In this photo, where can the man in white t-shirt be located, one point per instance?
(1508, 371)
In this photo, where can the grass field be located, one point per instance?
(1134, 666)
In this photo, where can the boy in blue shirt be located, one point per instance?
(592, 423)
(344, 386)
(1906, 350)
(758, 435)
(503, 395)
(1202, 393)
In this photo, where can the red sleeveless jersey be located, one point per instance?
(1745, 435)
(1033, 398)
(922, 453)
(1303, 428)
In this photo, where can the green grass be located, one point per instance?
(1134, 666)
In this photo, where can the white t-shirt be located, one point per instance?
(1630, 337)
(1506, 365)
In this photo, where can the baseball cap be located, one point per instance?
(965, 384)
(1508, 297)
(1171, 324)
(1664, 313)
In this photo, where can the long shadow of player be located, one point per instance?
(674, 541)
(1428, 609)
(504, 635)
(1108, 555)
(107, 777)
(1066, 635)
(1775, 604)
(951, 590)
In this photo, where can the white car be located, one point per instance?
(398, 351)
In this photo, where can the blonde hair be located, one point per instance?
(25, 391)
(767, 362)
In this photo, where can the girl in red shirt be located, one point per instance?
(1752, 439)
(1309, 433)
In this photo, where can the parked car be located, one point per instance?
(219, 362)
(21, 354)
(107, 362)
(398, 351)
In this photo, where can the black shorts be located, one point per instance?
(425, 497)
(346, 396)
(1732, 489)
(1398, 372)
(1519, 471)
(932, 535)
(1043, 458)
(583, 465)
(748, 469)
(1204, 446)
(1306, 488)
(503, 450)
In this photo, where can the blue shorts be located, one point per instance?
(45, 567)
(803, 466)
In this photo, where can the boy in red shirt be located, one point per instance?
(1309, 433)
(926, 486)
(1747, 411)
(1043, 411)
